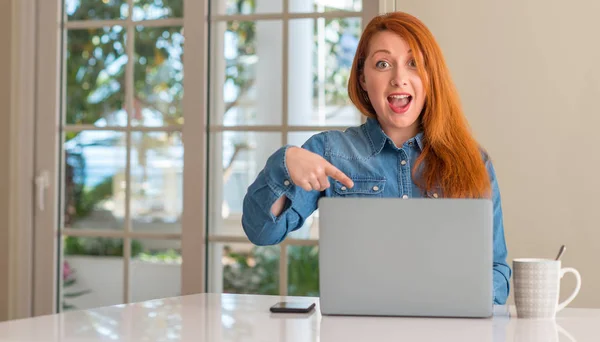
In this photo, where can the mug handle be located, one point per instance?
(566, 302)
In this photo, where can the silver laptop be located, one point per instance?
(406, 257)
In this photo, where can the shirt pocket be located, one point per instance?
(362, 188)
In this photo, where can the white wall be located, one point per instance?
(529, 77)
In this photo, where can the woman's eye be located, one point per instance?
(382, 65)
(412, 63)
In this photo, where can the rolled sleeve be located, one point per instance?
(277, 175)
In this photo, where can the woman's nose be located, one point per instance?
(399, 78)
(397, 82)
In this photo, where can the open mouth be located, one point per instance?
(399, 103)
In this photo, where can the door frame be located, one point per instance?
(21, 159)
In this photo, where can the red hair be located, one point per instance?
(451, 157)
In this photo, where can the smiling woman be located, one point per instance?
(451, 157)
(393, 85)
(415, 143)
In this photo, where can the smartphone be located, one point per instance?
(292, 307)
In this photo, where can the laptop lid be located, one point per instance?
(406, 257)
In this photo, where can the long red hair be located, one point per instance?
(451, 157)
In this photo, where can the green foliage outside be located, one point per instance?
(98, 246)
(258, 271)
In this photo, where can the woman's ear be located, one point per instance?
(363, 83)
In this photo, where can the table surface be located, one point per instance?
(227, 317)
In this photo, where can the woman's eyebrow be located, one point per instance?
(409, 52)
(381, 50)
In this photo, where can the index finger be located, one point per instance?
(335, 173)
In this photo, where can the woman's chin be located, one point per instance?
(403, 121)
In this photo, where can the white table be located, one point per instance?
(216, 317)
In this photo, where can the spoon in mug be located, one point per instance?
(560, 252)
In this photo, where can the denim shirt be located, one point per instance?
(378, 168)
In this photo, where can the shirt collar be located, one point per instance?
(378, 138)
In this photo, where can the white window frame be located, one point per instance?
(36, 56)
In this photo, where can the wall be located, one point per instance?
(529, 80)
(5, 111)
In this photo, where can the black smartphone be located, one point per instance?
(292, 307)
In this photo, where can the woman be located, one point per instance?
(415, 143)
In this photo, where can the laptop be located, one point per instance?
(406, 257)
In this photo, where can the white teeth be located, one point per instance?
(404, 96)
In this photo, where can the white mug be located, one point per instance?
(537, 287)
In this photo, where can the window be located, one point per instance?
(122, 151)
(279, 72)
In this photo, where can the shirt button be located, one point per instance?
(286, 182)
(375, 188)
(410, 143)
(343, 188)
(403, 162)
(405, 196)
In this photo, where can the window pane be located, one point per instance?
(299, 138)
(236, 159)
(243, 268)
(220, 7)
(95, 76)
(92, 272)
(247, 63)
(158, 76)
(303, 271)
(96, 10)
(157, 9)
(155, 269)
(94, 183)
(320, 58)
(157, 181)
(324, 5)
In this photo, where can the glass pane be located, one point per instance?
(155, 269)
(96, 10)
(92, 272)
(310, 228)
(157, 181)
(303, 271)
(158, 76)
(299, 138)
(220, 7)
(247, 61)
(320, 58)
(94, 183)
(243, 268)
(95, 77)
(236, 159)
(157, 9)
(325, 5)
